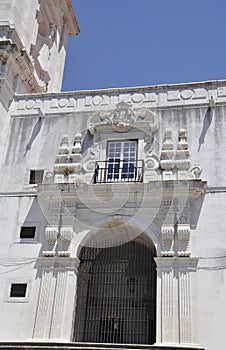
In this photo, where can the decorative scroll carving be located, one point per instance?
(152, 163)
(90, 159)
(48, 177)
(195, 171)
(123, 118)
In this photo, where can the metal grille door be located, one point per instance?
(116, 298)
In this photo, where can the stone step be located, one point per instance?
(89, 346)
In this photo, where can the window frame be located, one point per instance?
(36, 224)
(121, 161)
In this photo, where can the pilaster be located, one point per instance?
(54, 312)
(174, 316)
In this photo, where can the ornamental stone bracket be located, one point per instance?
(123, 118)
(58, 241)
(183, 234)
(167, 232)
(51, 234)
(176, 220)
(66, 235)
(176, 240)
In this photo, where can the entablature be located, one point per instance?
(198, 95)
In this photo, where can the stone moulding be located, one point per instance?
(194, 188)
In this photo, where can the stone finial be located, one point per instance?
(77, 147)
(63, 150)
(76, 153)
(64, 145)
(182, 161)
(167, 155)
(68, 163)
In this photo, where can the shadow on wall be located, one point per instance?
(34, 134)
(206, 124)
(35, 218)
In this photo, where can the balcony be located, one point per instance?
(118, 171)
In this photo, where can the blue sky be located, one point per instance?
(126, 43)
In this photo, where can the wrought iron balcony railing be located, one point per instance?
(119, 171)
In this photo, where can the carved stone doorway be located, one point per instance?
(116, 295)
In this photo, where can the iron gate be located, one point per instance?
(116, 296)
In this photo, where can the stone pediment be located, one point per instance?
(123, 118)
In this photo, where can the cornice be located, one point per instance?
(71, 19)
(158, 97)
(20, 64)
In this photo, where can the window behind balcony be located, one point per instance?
(121, 163)
(121, 160)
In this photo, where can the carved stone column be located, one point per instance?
(174, 316)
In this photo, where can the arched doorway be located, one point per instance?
(116, 295)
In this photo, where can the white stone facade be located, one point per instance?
(175, 199)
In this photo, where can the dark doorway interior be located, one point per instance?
(116, 296)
